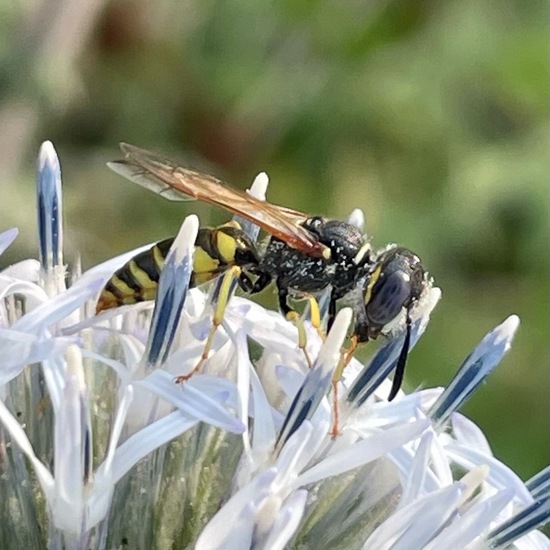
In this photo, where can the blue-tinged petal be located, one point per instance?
(520, 524)
(475, 369)
(146, 440)
(318, 380)
(539, 484)
(171, 293)
(371, 447)
(385, 360)
(289, 379)
(220, 389)
(385, 413)
(18, 349)
(56, 309)
(471, 524)
(191, 401)
(49, 204)
(6, 238)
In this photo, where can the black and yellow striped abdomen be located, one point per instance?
(216, 250)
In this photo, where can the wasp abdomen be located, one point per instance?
(136, 280)
(216, 249)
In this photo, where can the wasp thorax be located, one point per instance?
(343, 239)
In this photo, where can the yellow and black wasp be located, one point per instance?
(304, 254)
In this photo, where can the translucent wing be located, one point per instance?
(174, 182)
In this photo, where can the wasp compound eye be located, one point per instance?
(389, 294)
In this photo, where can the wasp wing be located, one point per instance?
(174, 182)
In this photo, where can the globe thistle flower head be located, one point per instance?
(101, 449)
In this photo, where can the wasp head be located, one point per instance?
(395, 283)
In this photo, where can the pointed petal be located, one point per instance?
(368, 449)
(318, 379)
(471, 524)
(49, 203)
(191, 401)
(146, 440)
(475, 369)
(500, 476)
(6, 238)
(288, 520)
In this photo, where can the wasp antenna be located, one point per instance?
(401, 361)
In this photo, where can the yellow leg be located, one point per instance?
(302, 337)
(344, 362)
(223, 298)
(315, 316)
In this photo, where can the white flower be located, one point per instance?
(243, 454)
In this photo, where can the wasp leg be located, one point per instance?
(293, 316)
(315, 316)
(344, 362)
(223, 298)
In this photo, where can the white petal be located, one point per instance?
(417, 474)
(500, 475)
(191, 401)
(118, 425)
(56, 308)
(535, 540)
(411, 527)
(147, 440)
(69, 467)
(287, 521)
(469, 434)
(25, 270)
(34, 295)
(471, 524)
(370, 448)
(237, 515)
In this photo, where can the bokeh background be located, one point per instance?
(430, 116)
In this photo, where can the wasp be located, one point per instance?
(304, 255)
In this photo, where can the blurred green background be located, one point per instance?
(430, 116)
